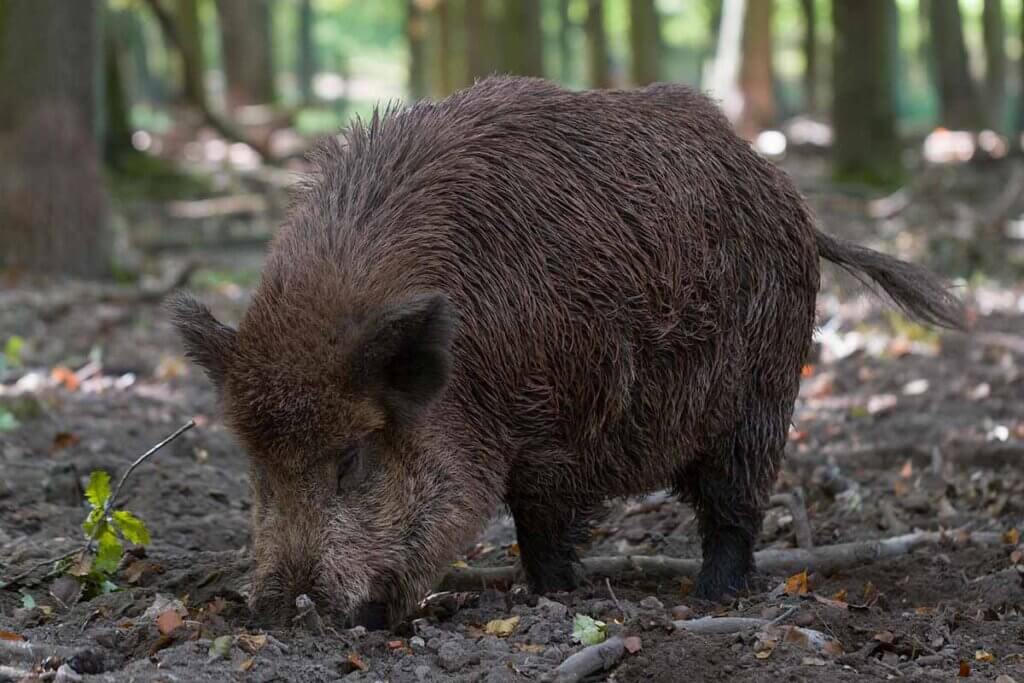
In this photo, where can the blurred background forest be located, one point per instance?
(205, 106)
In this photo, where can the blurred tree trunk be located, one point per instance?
(307, 55)
(564, 41)
(994, 26)
(53, 209)
(957, 97)
(644, 41)
(524, 40)
(598, 73)
(416, 34)
(246, 50)
(756, 79)
(444, 52)
(186, 17)
(866, 147)
(453, 63)
(810, 56)
(117, 134)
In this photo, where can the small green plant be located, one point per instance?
(8, 422)
(11, 357)
(106, 529)
(588, 631)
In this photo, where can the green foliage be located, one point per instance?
(588, 631)
(8, 423)
(12, 352)
(107, 530)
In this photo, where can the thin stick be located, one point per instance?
(608, 583)
(106, 508)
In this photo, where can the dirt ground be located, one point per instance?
(897, 428)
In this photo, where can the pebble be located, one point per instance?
(803, 619)
(651, 602)
(422, 672)
(450, 657)
(552, 609)
(682, 612)
(417, 642)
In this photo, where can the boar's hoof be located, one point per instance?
(560, 577)
(373, 616)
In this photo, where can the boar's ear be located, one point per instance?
(403, 356)
(208, 342)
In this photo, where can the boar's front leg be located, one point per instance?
(547, 535)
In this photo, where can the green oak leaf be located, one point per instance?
(131, 527)
(98, 490)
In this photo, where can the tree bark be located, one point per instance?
(117, 134)
(524, 54)
(994, 26)
(757, 82)
(644, 41)
(246, 51)
(866, 147)
(306, 67)
(810, 55)
(598, 73)
(957, 98)
(186, 17)
(53, 208)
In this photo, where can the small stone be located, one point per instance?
(416, 642)
(450, 657)
(803, 619)
(636, 535)
(1005, 678)
(682, 612)
(434, 643)
(552, 609)
(651, 602)
(65, 674)
(770, 613)
(422, 672)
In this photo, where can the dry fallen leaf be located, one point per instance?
(840, 595)
(965, 669)
(1011, 537)
(885, 637)
(870, 593)
(246, 664)
(357, 661)
(168, 621)
(983, 656)
(907, 471)
(1016, 556)
(62, 440)
(251, 642)
(633, 644)
(501, 627)
(807, 370)
(460, 564)
(797, 584)
(829, 602)
(396, 644)
(10, 635)
(513, 550)
(65, 377)
(532, 648)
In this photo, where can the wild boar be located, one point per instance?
(523, 296)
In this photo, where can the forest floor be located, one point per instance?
(897, 429)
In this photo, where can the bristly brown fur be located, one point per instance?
(527, 295)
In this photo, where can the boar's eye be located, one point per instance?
(348, 467)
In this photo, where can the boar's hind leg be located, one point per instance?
(547, 537)
(728, 520)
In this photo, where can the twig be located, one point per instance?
(825, 559)
(589, 660)
(794, 501)
(608, 584)
(785, 615)
(106, 508)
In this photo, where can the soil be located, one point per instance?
(897, 428)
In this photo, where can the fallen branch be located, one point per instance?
(88, 545)
(823, 559)
(34, 652)
(794, 502)
(815, 640)
(590, 660)
(8, 674)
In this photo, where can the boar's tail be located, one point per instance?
(918, 292)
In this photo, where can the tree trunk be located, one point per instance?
(644, 41)
(866, 147)
(598, 73)
(957, 97)
(306, 67)
(565, 59)
(246, 51)
(117, 134)
(523, 38)
(756, 80)
(186, 16)
(478, 39)
(53, 209)
(810, 55)
(416, 35)
(995, 62)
